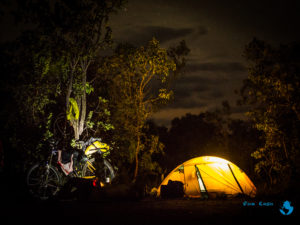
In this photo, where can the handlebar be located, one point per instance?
(81, 144)
(53, 143)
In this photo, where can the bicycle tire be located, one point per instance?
(88, 173)
(40, 188)
(59, 126)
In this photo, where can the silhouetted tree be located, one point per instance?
(210, 133)
(273, 91)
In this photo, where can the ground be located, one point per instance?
(175, 211)
(115, 206)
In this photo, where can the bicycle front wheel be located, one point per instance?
(43, 181)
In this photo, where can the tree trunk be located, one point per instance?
(78, 125)
(137, 158)
(69, 90)
(83, 105)
(285, 149)
(76, 131)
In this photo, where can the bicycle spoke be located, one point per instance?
(37, 180)
(91, 167)
(52, 185)
(34, 184)
(43, 182)
(52, 177)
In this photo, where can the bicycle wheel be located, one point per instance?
(103, 171)
(59, 126)
(43, 181)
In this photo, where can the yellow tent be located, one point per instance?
(209, 174)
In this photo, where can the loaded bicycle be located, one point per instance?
(45, 179)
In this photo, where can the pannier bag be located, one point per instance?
(174, 189)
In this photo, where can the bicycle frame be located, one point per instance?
(48, 166)
(45, 179)
(77, 164)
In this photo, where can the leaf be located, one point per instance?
(89, 89)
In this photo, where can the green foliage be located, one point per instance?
(134, 97)
(74, 144)
(101, 124)
(272, 90)
(105, 126)
(48, 134)
(35, 92)
(89, 89)
(89, 123)
(48, 70)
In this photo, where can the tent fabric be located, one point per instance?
(217, 175)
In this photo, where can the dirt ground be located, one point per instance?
(116, 207)
(144, 211)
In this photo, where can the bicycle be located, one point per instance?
(45, 179)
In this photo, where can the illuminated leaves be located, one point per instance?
(89, 123)
(89, 88)
(164, 94)
(48, 134)
(102, 118)
(139, 86)
(105, 126)
(134, 71)
(272, 89)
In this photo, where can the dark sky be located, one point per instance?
(216, 32)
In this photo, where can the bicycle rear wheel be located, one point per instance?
(43, 181)
(104, 171)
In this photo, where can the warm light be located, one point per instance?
(205, 159)
(95, 183)
(210, 174)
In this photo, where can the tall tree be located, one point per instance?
(139, 87)
(272, 90)
(74, 33)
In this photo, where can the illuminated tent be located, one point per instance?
(207, 174)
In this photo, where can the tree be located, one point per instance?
(138, 88)
(178, 54)
(70, 36)
(46, 66)
(272, 90)
(190, 136)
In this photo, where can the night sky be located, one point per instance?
(216, 33)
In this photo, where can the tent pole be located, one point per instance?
(235, 178)
(204, 192)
